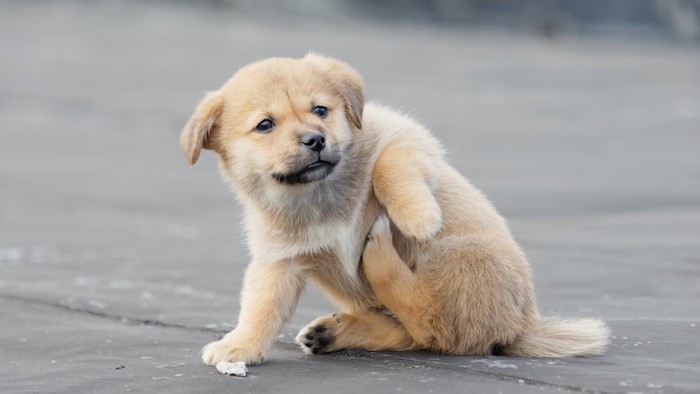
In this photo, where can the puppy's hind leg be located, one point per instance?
(396, 286)
(362, 330)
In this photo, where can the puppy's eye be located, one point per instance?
(265, 126)
(320, 111)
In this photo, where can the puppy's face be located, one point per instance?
(279, 123)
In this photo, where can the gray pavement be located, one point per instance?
(117, 262)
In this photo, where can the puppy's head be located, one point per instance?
(280, 122)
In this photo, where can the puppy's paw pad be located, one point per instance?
(315, 339)
(319, 336)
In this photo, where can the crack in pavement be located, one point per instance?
(104, 315)
(352, 354)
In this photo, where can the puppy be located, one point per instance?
(317, 170)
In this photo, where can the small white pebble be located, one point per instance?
(228, 368)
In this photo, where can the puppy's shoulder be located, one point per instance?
(386, 121)
(385, 125)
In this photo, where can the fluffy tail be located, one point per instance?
(554, 337)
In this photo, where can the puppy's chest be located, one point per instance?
(338, 244)
(341, 243)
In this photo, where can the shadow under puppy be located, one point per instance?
(316, 170)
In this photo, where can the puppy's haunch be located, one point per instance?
(317, 169)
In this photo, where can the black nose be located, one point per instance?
(314, 141)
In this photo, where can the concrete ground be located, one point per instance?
(117, 262)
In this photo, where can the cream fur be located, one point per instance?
(441, 272)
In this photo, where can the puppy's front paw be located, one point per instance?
(320, 335)
(422, 224)
(227, 350)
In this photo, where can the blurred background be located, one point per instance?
(678, 19)
(579, 119)
(669, 18)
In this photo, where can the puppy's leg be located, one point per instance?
(396, 286)
(402, 179)
(270, 295)
(361, 330)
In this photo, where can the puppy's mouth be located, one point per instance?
(313, 172)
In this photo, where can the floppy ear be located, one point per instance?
(203, 123)
(349, 82)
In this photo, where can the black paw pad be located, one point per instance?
(319, 339)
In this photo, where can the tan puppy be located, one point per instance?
(315, 169)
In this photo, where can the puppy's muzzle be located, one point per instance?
(314, 141)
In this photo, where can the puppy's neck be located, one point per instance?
(302, 228)
(295, 208)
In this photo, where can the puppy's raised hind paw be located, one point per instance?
(381, 229)
(379, 241)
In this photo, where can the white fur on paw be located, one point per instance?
(382, 226)
(436, 228)
(300, 339)
(229, 368)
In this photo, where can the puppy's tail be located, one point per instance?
(555, 337)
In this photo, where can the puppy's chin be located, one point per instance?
(313, 172)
